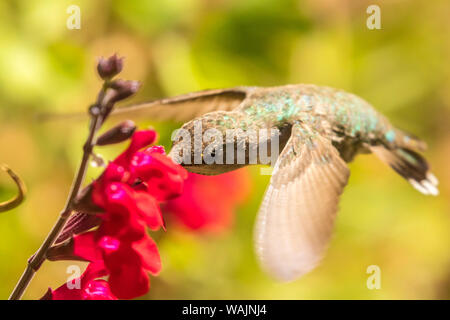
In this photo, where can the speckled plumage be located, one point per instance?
(321, 129)
(351, 123)
(333, 113)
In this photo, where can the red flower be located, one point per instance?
(162, 184)
(208, 202)
(126, 262)
(140, 140)
(90, 288)
(128, 192)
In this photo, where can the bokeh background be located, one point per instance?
(177, 46)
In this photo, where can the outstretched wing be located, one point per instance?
(186, 107)
(296, 218)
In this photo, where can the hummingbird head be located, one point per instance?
(213, 146)
(202, 145)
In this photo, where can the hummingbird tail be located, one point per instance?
(409, 141)
(411, 166)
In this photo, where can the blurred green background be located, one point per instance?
(177, 46)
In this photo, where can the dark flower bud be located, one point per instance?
(63, 251)
(123, 131)
(122, 89)
(78, 223)
(48, 295)
(108, 68)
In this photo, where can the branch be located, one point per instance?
(17, 200)
(36, 260)
(111, 92)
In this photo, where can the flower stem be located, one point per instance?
(17, 200)
(36, 260)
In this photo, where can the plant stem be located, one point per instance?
(36, 260)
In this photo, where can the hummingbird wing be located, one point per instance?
(186, 107)
(296, 218)
(181, 108)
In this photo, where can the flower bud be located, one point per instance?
(78, 223)
(122, 89)
(63, 251)
(48, 295)
(123, 131)
(108, 68)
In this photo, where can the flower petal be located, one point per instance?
(128, 282)
(85, 246)
(148, 251)
(97, 290)
(139, 140)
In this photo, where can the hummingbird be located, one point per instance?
(321, 130)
